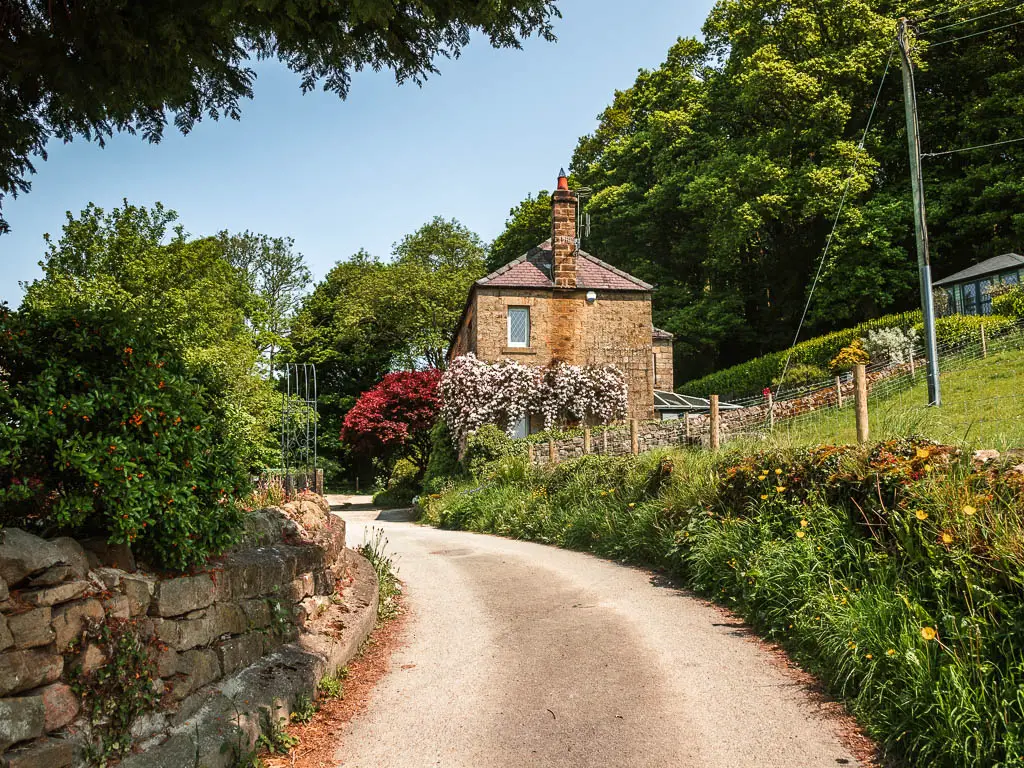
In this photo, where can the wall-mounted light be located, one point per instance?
(591, 297)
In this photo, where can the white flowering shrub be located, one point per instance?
(891, 344)
(474, 393)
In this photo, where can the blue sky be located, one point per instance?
(342, 175)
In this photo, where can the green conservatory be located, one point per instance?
(968, 289)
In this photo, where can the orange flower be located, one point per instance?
(928, 633)
(128, 350)
(160, 385)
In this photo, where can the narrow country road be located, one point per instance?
(517, 654)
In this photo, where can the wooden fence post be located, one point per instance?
(586, 438)
(634, 437)
(839, 391)
(552, 451)
(686, 416)
(984, 342)
(529, 452)
(860, 394)
(913, 365)
(604, 440)
(771, 412)
(715, 436)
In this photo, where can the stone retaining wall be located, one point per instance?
(200, 627)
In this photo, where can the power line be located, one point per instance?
(975, 18)
(835, 223)
(971, 149)
(954, 9)
(975, 34)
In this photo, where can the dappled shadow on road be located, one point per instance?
(397, 515)
(383, 515)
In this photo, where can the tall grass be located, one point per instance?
(852, 566)
(375, 549)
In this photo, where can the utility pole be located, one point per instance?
(924, 266)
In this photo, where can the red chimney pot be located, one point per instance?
(563, 182)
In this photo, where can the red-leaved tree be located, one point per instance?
(392, 421)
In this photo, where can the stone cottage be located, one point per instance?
(559, 303)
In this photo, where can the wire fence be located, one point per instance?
(982, 397)
(982, 406)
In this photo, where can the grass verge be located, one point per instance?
(894, 575)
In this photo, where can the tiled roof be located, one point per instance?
(533, 270)
(987, 267)
(660, 334)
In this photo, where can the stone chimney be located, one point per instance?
(563, 234)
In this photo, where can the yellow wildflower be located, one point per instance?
(800, 534)
(868, 656)
(764, 496)
(780, 488)
(923, 453)
(969, 510)
(778, 471)
(928, 633)
(631, 505)
(803, 523)
(891, 652)
(947, 538)
(921, 514)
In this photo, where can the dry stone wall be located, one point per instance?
(200, 627)
(695, 429)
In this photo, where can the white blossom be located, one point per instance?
(474, 393)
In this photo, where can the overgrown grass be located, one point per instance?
(895, 575)
(374, 549)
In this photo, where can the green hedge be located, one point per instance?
(751, 377)
(896, 575)
(105, 431)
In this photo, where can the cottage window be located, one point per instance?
(519, 326)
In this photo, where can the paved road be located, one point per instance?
(521, 655)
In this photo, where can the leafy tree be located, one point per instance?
(528, 224)
(393, 420)
(88, 69)
(277, 275)
(142, 262)
(352, 331)
(108, 430)
(433, 270)
(717, 176)
(367, 318)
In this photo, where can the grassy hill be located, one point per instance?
(751, 377)
(983, 405)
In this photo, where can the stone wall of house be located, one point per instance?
(200, 627)
(663, 379)
(465, 337)
(614, 330)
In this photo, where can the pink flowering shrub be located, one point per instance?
(474, 393)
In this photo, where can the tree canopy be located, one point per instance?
(91, 68)
(215, 307)
(717, 176)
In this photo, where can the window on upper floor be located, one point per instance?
(519, 326)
